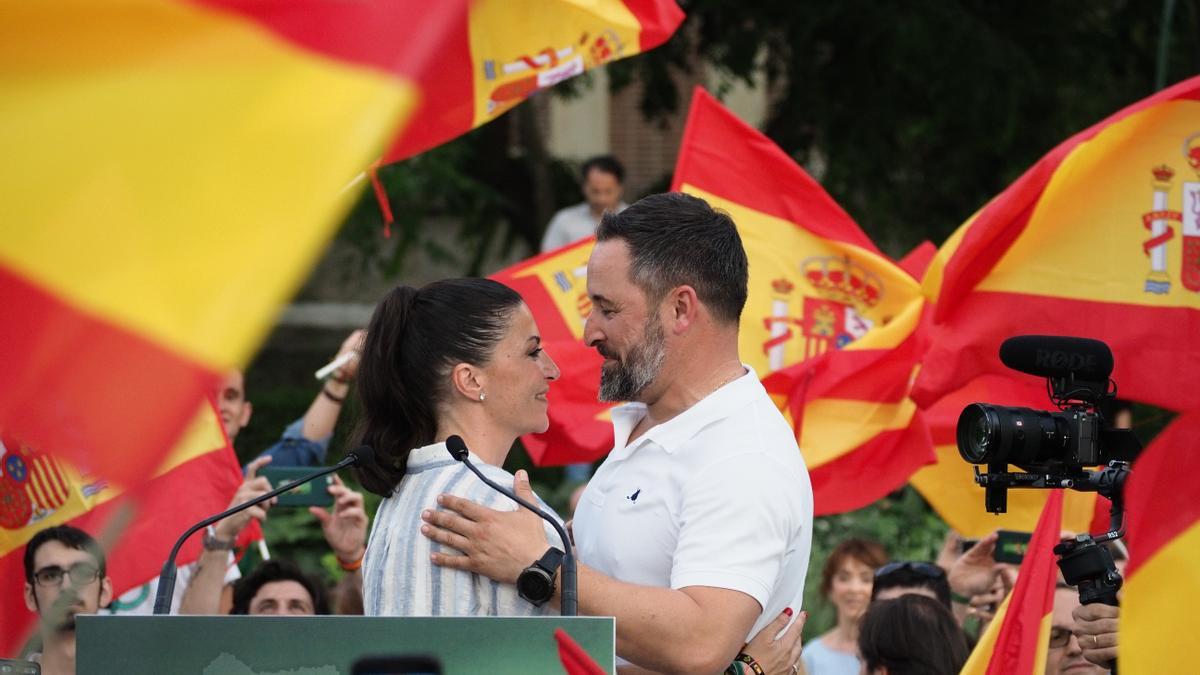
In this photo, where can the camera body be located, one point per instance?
(1054, 449)
(1076, 436)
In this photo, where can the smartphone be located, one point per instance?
(1011, 546)
(16, 667)
(313, 493)
(397, 665)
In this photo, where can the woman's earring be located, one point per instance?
(482, 396)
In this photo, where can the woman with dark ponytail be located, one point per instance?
(456, 357)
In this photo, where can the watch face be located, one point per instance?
(534, 585)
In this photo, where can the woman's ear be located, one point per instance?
(467, 381)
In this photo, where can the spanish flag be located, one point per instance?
(949, 484)
(38, 490)
(1016, 641)
(1100, 238)
(1161, 585)
(504, 51)
(172, 170)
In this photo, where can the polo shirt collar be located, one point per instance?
(673, 433)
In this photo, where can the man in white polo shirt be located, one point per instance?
(695, 532)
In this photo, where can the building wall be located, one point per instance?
(598, 122)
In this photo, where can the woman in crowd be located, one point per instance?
(456, 357)
(845, 582)
(911, 635)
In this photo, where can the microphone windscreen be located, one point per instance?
(1053, 356)
(364, 455)
(456, 446)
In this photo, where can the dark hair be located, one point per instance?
(413, 341)
(870, 553)
(911, 634)
(247, 587)
(676, 239)
(69, 536)
(911, 574)
(607, 164)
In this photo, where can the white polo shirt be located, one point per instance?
(716, 496)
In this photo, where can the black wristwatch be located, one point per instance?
(536, 583)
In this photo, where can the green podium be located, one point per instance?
(329, 645)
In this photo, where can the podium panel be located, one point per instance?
(329, 645)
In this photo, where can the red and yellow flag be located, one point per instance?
(506, 50)
(173, 168)
(38, 491)
(1017, 639)
(1101, 239)
(949, 484)
(1161, 586)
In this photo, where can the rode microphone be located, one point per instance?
(364, 454)
(567, 601)
(1058, 357)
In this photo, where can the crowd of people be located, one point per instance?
(695, 532)
(925, 616)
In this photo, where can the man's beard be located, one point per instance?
(626, 378)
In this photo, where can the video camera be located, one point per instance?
(1056, 450)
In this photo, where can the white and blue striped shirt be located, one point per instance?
(398, 577)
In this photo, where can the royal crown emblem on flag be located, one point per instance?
(840, 293)
(1158, 223)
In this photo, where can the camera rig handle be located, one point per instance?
(1083, 560)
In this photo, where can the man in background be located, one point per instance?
(603, 185)
(65, 575)
(1065, 654)
(305, 441)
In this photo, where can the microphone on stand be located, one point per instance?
(567, 601)
(364, 454)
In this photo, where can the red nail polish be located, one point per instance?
(787, 610)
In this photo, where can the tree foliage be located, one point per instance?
(921, 112)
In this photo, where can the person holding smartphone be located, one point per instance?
(344, 527)
(978, 583)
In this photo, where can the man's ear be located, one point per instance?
(31, 602)
(247, 411)
(106, 592)
(468, 381)
(683, 309)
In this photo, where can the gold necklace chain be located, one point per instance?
(725, 382)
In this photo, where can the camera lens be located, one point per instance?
(978, 433)
(988, 434)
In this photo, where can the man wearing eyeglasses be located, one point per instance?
(1065, 657)
(65, 576)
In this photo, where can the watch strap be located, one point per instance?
(214, 543)
(550, 560)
